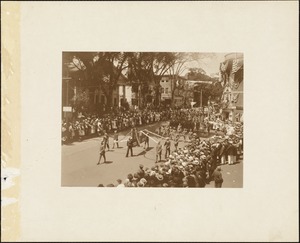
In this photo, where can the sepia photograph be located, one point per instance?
(149, 94)
(152, 119)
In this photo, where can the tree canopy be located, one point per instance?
(103, 69)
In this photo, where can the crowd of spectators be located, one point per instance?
(88, 125)
(182, 121)
(196, 164)
(197, 120)
(185, 122)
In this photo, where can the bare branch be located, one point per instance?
(76, 66)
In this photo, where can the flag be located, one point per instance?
(236, 65)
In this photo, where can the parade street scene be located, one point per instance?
(152, 119)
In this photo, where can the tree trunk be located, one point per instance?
(157, 95)
(109, 98)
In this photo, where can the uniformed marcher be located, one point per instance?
(129, 146)
(102, 152)
(116, 139)
(106, 141)
(158, 152)
(168, 147)
(146, 143)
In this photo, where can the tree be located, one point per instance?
(161, 63)
(146, 68)
(80, 63)
(101, 69)
(138, 73)
(198, 74)
(143, 69)
(81, 99)
(180, 64)
(108, 67)
(213, 89)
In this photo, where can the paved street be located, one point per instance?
(80, 169)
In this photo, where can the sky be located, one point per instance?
(210, 65)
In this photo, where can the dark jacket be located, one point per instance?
(217, 176)
(222, 150)
(231, 150)
(130, 143)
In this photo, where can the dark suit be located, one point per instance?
(168, 147)
(158, 152)
(231, 150)
(217, 176)
(231, 153)
(129, 147)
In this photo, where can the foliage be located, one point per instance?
(141, 69)
(81, 98)
(198, 74)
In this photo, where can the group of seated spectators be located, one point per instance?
(194, 165)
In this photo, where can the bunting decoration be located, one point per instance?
(234, 98)
(235, 85)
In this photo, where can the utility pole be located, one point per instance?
(67, 93)
(201, 97)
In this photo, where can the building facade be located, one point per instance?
(232, 79)
(176, 90)
(166, 89)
